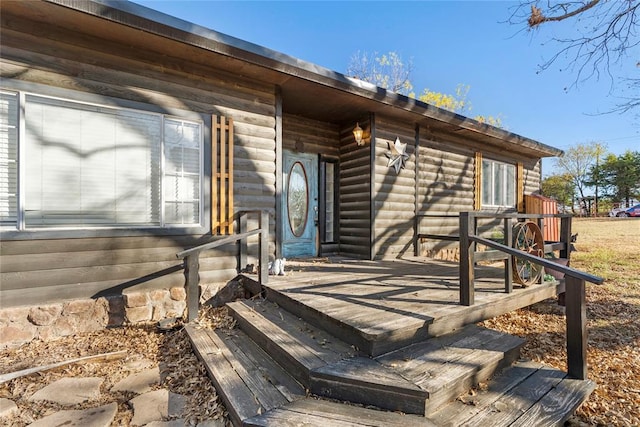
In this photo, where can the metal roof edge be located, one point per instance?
(147, 19)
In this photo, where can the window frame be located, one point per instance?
(504, 184)
(322, 215)
(18, 231)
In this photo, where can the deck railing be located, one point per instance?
(467, 224)
(469, 256)
(575, 280)
(191, 256)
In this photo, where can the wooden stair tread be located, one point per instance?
(524, 394)
(246, 378)
(434, 363)
(293, 342)
(388, 317)
(316, 412)
(446, 366)
(367, 372)
(558, 404)
(365, 381)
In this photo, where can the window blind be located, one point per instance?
(90, 165)
(8, 158)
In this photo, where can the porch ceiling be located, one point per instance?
(307, 90)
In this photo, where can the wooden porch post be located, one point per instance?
(576, 314)
(565, 237)
(508, 262)
(467, 274)
(263, 247)
(279, 174)
(191, 266)
(242, 243)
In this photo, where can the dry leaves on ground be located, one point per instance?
(181, 371)
(605, 248)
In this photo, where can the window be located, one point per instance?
(498, 184)
(328, 215)
(88, 166)
(8, 158)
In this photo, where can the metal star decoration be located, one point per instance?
(397, 155)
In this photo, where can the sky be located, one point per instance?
(450, 43)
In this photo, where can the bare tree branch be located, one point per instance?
(603, 41)
(537, 17)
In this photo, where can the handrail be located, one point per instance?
(537, 260)
(191, 257)
(217, 243)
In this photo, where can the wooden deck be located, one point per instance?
(380, 306)
(384, 343)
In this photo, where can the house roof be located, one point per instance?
(336, 97)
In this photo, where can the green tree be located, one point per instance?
(621, 176)
(559, 187)
(577, 163)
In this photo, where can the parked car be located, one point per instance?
(632, 211)
(616, 212)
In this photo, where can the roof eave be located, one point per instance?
(146, 19)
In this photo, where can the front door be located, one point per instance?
(300, 205)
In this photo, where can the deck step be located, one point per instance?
(369, 341)
(446, 366)
(247, 379)
(419, 383)
(365, 381)
(418, 379)
(323, 364)
(525, 394)
(291, 341)
(316, 412)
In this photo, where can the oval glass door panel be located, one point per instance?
(297, 199)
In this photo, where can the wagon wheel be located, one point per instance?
(527, 237)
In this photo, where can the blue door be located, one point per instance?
(300, 205)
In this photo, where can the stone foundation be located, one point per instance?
(19, 325)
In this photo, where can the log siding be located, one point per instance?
(355, 194)
(46, 56)
(394, 193)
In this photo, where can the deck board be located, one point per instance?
(314, 412)
(557, 405)
(269, 369)
(300, 357)
(238, 398)
(261, 387)
(514, 403)
(317, 340)
(465, 408)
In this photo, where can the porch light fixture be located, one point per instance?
(358, 134)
